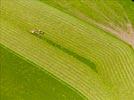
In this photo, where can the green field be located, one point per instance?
(85, 53)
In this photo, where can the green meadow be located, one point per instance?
(67, 50)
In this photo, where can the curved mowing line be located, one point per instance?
(69, 52)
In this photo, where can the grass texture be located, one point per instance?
(85, 53)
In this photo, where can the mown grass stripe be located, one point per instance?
(75, 55)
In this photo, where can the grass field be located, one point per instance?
(85, 53)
